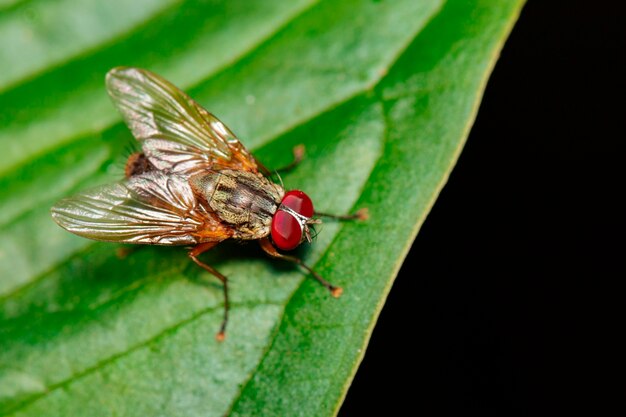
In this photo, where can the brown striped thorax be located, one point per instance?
(244, 200)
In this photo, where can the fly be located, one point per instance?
(193, 184)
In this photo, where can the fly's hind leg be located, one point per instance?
(267, 246)
(193, 254)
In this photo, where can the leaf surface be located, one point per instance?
(382, 94)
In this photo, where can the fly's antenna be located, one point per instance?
(313, 231)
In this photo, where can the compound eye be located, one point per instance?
(299, 202)
(290, 219)
(286, 231)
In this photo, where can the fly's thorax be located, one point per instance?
(244, 200)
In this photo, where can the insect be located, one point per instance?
(194, 184)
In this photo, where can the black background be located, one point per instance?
(511, 300)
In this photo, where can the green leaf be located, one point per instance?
(382, 93)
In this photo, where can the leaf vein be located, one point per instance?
(103, 363)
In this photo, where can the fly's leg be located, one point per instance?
(193, 254)
(361, 214)
(298, 156)
(124, 251)
(267, 246)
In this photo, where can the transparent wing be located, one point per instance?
(176, 133)
(151, 208)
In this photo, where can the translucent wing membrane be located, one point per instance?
(152, 208)
(176, 133)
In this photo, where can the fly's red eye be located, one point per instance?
(287, 229)
(299, 202)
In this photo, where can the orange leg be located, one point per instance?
(193, 254)
(267, 246)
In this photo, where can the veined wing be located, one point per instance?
(176, 133)
(151, 208)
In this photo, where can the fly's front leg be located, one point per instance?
(267, 246)
(361, 214)
(193, 254)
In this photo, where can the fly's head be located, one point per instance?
(290, 223)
